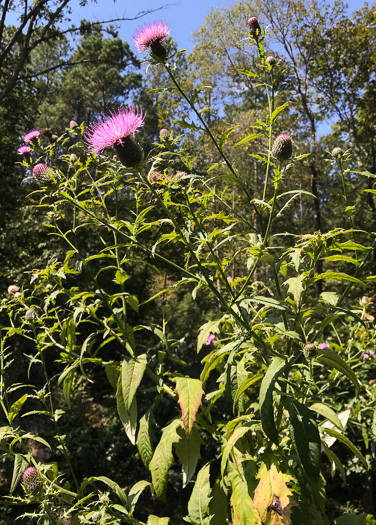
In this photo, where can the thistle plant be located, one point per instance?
(249, 416)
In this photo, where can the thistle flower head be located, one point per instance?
(254, 27)
(151, 35)
(30, 315)
(282, 147)
(164, 134)
(310, 351)
(46, 132)
(73, 124)
(271, 60)
(31, 480)
(42, 174)
(337, 152)
(13, 289)
(24, 150)
(210, 340)
(324, 346)
(31, 136)
(113, 130)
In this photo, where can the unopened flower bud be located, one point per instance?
(164, 134)
(72, 158)
(17, 294)
(73, 124)
(282, 147)
(129, 152)
(13, 289)
(271, 61)
(254, 27)
(31, 481)
(310, 350)
(46, 132)
(30, 314)
(364, 299)
(337, 152)
(42, 174)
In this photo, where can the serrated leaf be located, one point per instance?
(205, 330)
(275, 369)
(110, 483)
(344, 258)
(247, 73)
(345, 441)
(241, 501)
(328, 413)
(190, 394)
(198, 504)
(225, 136)
(188, 452)
(277, 112)
(19, 467)
(120, 277)
(338, 276)
(295, 285)
(154, 520)
(305, 436)
(135, 492)
(145, 437)
(189, 125)
(272, 488)
(218, 506)
(330, 298)
(250, 137)
(132, 371)
(162, 458)
(16, 407)
(333, 360)
(239, 433)
(129, 419)
(269, 301)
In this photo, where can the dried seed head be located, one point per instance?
(282, 147)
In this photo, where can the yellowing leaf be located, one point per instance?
(272, 497)
(190, 393)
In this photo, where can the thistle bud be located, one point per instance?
(282, 147)
(337, 152)
(254, 27)
(30, 315)
(72, 158)
(129, 152)
(13, 289)
(164, 134)
(42, 174)
(46, 132)
(73, 124)
(31, 481)
(271, 61)
(310, 351)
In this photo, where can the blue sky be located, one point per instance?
(184, 16)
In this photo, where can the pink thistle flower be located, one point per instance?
(24, 150)
(371, 353)
(364, 356)
(364, 299)
(13, 289)
(151, 36)
(30, 315)
(210, 340)
(116, 131)
(324, 346)
(31, 136)
(31, 480)
(229, 279)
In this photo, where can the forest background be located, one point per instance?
(327, 68)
